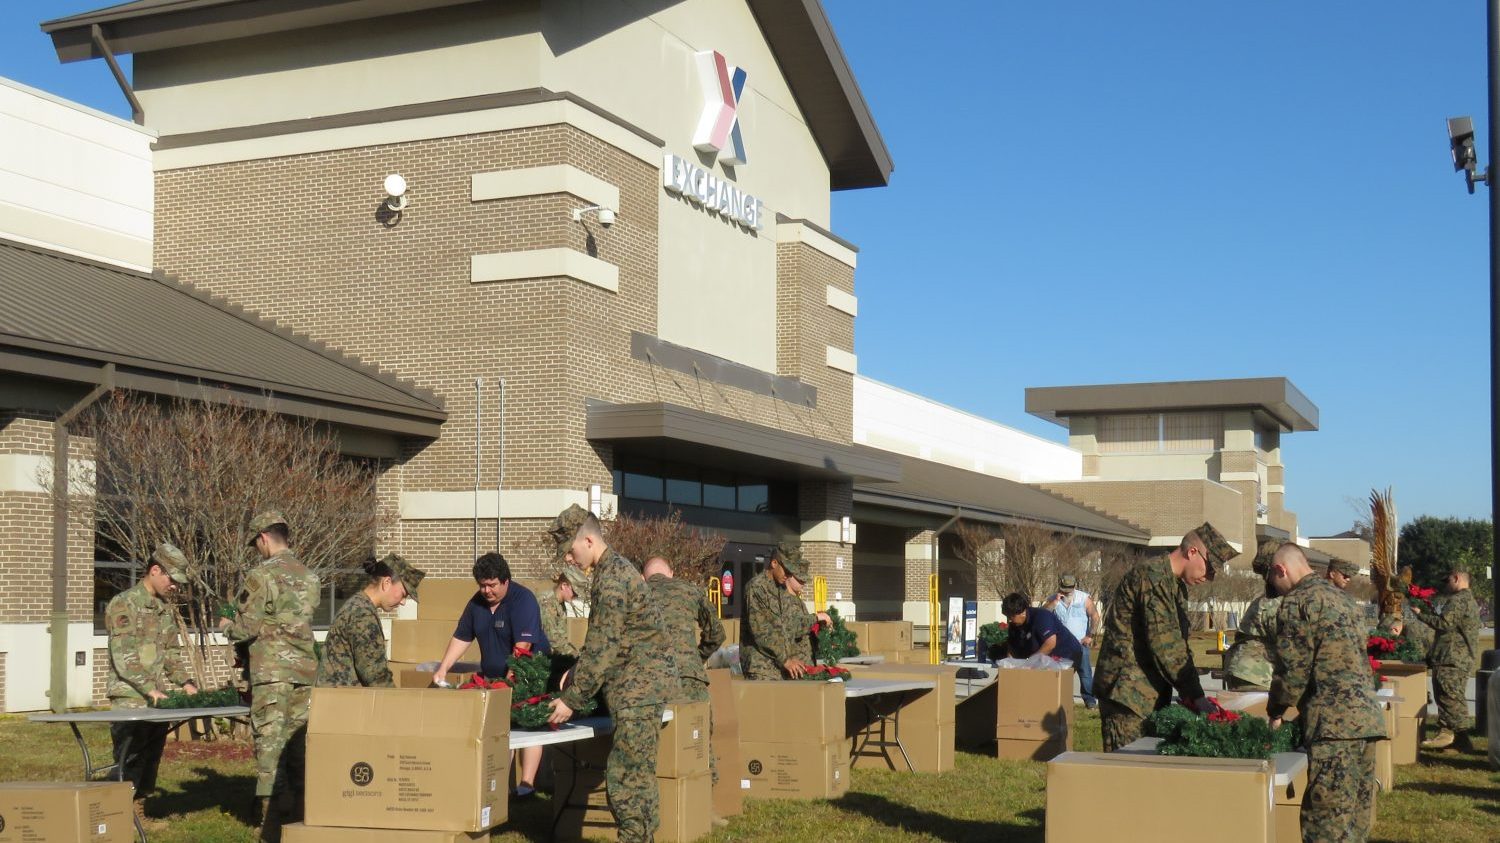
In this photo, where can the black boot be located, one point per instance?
(270, 821)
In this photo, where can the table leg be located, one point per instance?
(883, 719)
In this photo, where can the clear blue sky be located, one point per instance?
(1103, 192)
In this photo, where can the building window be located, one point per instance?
(687, 485)
(110, 578)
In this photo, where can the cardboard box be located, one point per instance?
(443, 599)
(408, 759)
(1245, 702)
(790, 712)
(1410, 684)
(881, 636)
(1408, 737)
(1026, 749)
(300, 833)
(426, 641)
(1156, 797)
(582, 809)
(926, 721)
(729, 798)
(731, 630)
(66, 812)
(407, 675)
(578, 629)
(683, 745)
(1288, 823)
(795, 770)
(1385, 766)
(1022, 705)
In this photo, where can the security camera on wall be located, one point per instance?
(606, 217)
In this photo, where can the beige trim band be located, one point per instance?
(515, 503)
(827, 531)
(798, 232)
(919, 551)
(1233, 476)
(843, 360)
(544, 263)
(1275, 489)
(539, 181)
(842, 301)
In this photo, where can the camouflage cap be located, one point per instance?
(265, 520)
(1261, 564)
(1217, 549)
(172, 561)
(1345, 568)
(572, 575)
(410, 576)
(565, 527)
(789, 554)
(1067, 581)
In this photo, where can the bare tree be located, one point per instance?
(1024, 557)
(692, 552)
(981, 546)
(195, 473)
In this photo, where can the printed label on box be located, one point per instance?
(744, 784)
(484, 814)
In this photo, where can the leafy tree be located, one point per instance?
(1434, 546)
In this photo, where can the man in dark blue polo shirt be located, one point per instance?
(1034, 630)
(503, 616)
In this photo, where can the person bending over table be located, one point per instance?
(1036, 630)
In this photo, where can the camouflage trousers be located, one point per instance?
(1340, 790)
(694, 691)
(138, 763)
(278, 721)
(1119, 725)
(630, 773)
(1448, 687)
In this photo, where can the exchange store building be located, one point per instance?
(586, 250)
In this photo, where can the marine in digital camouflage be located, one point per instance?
(1250, 663)
(1322, 669)
(1454, 621)
(354, 651)
(693, 634)
(625, 654)
(1145, 654)
(777, 628)
(274, 614)
(555, 624)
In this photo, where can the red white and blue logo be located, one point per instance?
(719, 124)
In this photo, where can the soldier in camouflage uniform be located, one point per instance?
(145, 661)
(693, 634)
(554, 609)
(1341, 573)
(627, 656)
(274, 614)
(1250, 662)
(776, 637)
(1322, 669)
(1454, 620)
(1145, 651)
(354, 652)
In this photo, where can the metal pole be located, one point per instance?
(478, 396)
(500, 456)
(1492, 29)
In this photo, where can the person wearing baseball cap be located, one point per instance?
(1080, 614)
(1145, 654)
(567, 585)
(146, 661)
(776, 637)
(354, 652)
(1341, 573)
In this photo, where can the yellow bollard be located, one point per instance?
(716, 595)
(820, 594)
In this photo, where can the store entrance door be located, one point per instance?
(744, 561)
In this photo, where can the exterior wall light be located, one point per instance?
(606, 216)
(395, 192)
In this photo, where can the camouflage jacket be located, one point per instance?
(777, 627)
(692, 626)
(1145, 651)
(555, 625)
(1454, 620)
(354, 652)
(274, 613)
(1321, 664)
(1250, 657)
(145, 651)
(625, 652)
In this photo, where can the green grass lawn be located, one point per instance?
(1449, 797)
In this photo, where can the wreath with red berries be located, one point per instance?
(533, 677)
(824, 673)
(1220, 733)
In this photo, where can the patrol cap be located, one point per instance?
(789, 554)
(1068, 581)
(565, 527)
(410, 576)
(1261, 564)
(172, 561)
(572, 575)
(265, 520)
(1345, 568)
(1217, 550)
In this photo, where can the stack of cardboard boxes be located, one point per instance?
(1158, 797)
(729, 790)
(1409, 681)
(408, 766)
(888, 639)
(1027, 714)
(793, 739)
(66, 812)
(927, 720)
(581, 806)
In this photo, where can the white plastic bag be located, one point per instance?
(1036, 662)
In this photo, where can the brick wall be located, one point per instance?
(218, 667)
(26, 532)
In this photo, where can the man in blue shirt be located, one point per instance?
(1035, 631)
(503, 616)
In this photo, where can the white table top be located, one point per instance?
(140, 715)
(870, 687)
(1287, 764)
(865, 660)
(577, 729)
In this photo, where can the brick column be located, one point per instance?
(821, 507)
